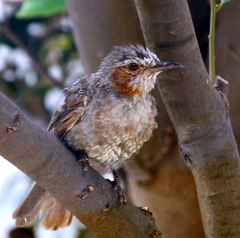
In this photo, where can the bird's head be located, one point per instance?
(132, 69)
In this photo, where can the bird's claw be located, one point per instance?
(85, 162)
(117, 187)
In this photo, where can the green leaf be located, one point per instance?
(40, 8)
(221, 4)
(225, 1)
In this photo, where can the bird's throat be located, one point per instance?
(121, 82)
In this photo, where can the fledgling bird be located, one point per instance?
(104, 117)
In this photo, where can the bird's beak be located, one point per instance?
(163, 65)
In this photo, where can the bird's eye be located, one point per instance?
(133, 66)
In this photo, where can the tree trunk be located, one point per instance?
(199, 114)
(228, 57)
(99, 25)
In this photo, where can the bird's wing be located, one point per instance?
(72, 110)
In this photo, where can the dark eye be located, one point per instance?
(133, 66)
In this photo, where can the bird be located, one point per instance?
(104, 118)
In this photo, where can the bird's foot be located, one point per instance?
(85, 162)
(82, 157)
(117, 187)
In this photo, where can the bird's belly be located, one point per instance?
(113, 136)
(113, 154)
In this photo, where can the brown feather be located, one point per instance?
(39, 203)
(70, 113)
(30, 207)
(55, 214)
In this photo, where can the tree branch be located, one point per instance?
(199, 115)
(211, 39)
(87, 195)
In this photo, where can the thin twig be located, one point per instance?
(214, 9)
(211, 37)
(36, 62)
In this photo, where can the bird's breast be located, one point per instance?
(114, 129)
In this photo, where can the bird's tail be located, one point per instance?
(39, 203)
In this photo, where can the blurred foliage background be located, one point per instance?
(37, 53)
